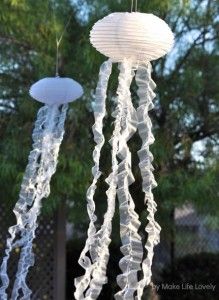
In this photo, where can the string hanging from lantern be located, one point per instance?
(132, 5)
(60, 38)
(136, 5)
(133, 40)
(55, 93)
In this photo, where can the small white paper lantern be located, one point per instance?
(47, 136)
(56, 90)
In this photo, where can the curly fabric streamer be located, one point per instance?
(127, 122)
(132, 247)
(103, 235)
(83, 282)
(47, 137)
(146, 95)
(95, 276)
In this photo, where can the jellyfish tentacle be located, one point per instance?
(82, 282)
(103, 235)
(132, 247)
(47, 136)
(21, 206)
(53, 135)
(146, 95)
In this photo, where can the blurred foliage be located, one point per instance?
(185, 117)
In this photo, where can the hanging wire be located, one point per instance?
(132, 3)
(59, 39)
(136, 5)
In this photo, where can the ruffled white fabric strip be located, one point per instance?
(102, 237)
(47, 136)
(101, 261)
(145, 92)
(132, 247)
(100, 251)
(83, 282)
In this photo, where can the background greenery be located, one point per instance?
(185, 118)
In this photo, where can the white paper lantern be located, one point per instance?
(42, 162)
(137, 36)
(56, 90)
(133, 40)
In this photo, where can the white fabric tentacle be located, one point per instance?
(145, 92)
(132, 247)
(47, 136)
(103, 235)
(83, 282)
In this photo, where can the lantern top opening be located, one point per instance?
(136, 36)
(56, 90)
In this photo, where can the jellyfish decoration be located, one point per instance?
(132, 40)
(55, 93)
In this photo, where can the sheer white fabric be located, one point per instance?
(47, 136)
(146, 95)
(91, 246)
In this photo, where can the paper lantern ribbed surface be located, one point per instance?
(138, 36)
(133, 40)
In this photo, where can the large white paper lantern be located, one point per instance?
(133, 40)
(136, 36)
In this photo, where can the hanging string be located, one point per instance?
(59, 39)
(136, 5)
(132, 3)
